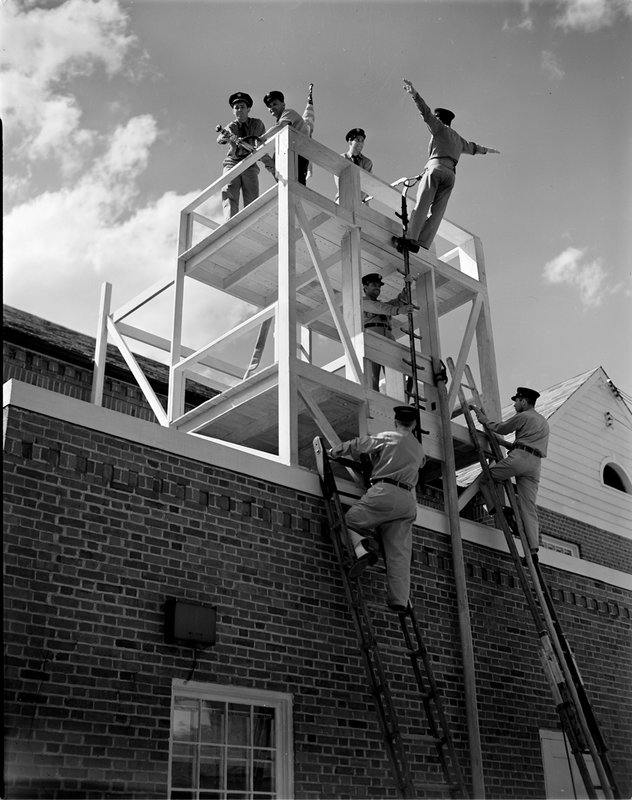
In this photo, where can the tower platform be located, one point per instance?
(295, 368)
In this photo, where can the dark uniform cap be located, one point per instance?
(353, 133)
(372, 277)
(240, 96)
(444, 114)
(405, 414)
(529, 394)
(273, 95)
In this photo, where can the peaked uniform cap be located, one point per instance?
(444, 114)
(529, 394)
(275, 94)
(405, 414)
(353, 133)
(372, 277)
(240, 97)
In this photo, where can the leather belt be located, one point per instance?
(378, 325)
(533, 450)
(401, 485)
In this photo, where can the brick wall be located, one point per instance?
(98, 531)
(595, 545)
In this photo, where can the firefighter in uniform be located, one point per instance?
(389, 506)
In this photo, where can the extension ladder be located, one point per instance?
(438, 734)
(572, 704)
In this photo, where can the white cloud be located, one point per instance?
(524, 24)
(61, 244)
(551, 66)
(66, 243)
(590, 15)
(43, 49)
(588, 277)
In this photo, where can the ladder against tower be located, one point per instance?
(297, 258)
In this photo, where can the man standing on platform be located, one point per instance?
(437, 179)
(355, 140)
(378, 315)
(389, 506)
(247, 130)
(275, 101)
(524, 460)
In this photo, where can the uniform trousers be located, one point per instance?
(435, 188)
(525, 468)
(389, 511)
(247, 183)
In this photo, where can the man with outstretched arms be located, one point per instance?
(437, 179)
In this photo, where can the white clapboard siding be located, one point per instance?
(580, 445)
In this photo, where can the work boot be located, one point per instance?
(401, 243)
(364, 558)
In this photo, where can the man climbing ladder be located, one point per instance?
(389, 505)
(438, 735)
(525, 458)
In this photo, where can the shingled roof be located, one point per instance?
(549, 402)
(43, 336)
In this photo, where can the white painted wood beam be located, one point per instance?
(148, 392)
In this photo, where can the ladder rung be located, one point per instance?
(408, 332)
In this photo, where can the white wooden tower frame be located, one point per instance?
(298, 257)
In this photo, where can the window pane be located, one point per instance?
(185, 719)
(183, 774)
(263, 776)
(263, 727)
(213, 716)
(177, 795)
(237, 775)
(211, 774)
(238, 725)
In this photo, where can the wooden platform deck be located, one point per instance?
(297, 257)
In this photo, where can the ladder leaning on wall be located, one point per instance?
(438, 735)
(572, 703)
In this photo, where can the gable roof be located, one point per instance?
(549, 402)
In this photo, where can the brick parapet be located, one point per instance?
(98, 531)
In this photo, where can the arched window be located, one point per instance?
(615, 477)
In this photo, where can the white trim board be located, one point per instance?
(262, 467)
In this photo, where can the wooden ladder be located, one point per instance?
(438, 734)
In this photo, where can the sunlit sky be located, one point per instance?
(109, 111)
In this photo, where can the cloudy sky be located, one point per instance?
(109, 110)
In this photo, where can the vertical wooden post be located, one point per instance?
(175, 403)
(427, 300)
(352, 295)
(286, 316)
(485, 343)
(101, 345)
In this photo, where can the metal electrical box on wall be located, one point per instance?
(190, 624)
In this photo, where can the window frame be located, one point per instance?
(281, 702)
(620, 473)
(550, 542)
